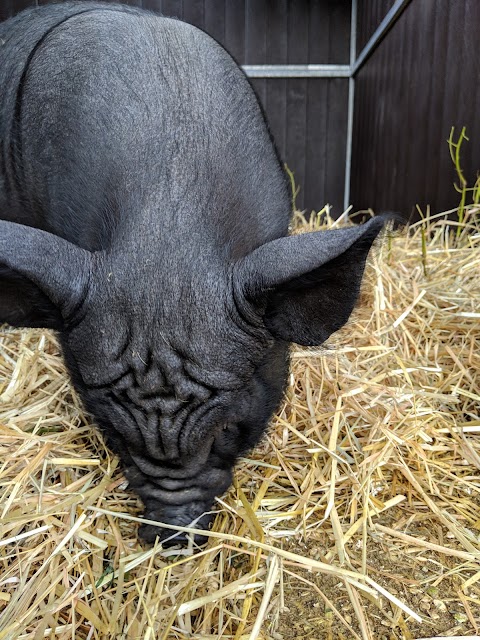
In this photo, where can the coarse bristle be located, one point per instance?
(357, 517)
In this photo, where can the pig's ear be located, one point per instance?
(43, 278)
(306, 285)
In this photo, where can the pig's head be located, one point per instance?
(183, 371)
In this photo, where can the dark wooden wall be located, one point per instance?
(370, 13)
(308, 117)
(423, 79)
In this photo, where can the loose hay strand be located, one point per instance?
(359, 514)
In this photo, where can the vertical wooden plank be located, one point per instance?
(394, 117)
(371, 133)
(172, 8)
(256, 41)
(153, 5)
(296, 134)
(255, 32)
(130, 3)
(6, 10)
(338, 33)
(276, 89)
(424, 99)
(315, 194)
(453, 111)
(215, 20)
(437, 88)
(470, 77)
(296, 116)
(319, 32)
(409, 69)
(298, 32)
(404, 107)
(276, 32)
(335, 143)
(235, 29)
(194, 12)
(12, 7)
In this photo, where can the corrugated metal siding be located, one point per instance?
(308, 118)
(423, 79)
(370, 13)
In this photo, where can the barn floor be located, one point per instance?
(357, 517)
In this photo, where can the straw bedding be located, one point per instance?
(357, 517)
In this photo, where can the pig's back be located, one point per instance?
(119, 109)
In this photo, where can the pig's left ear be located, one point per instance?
(306, 285)
(52, 273)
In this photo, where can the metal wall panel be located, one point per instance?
(308, 117)
(423, 79)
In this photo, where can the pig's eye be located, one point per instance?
(225, 427)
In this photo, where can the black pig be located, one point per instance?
(145, 218)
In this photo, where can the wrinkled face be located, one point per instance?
(179, 350)
(180, 354)
(178, 403)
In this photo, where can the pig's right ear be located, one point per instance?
(305, 286)
(43, 278)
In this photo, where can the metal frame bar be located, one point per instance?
(297, 70)
(338, 71)
(333, 70)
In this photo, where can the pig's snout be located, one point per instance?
(181, 502)
(194, 515)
